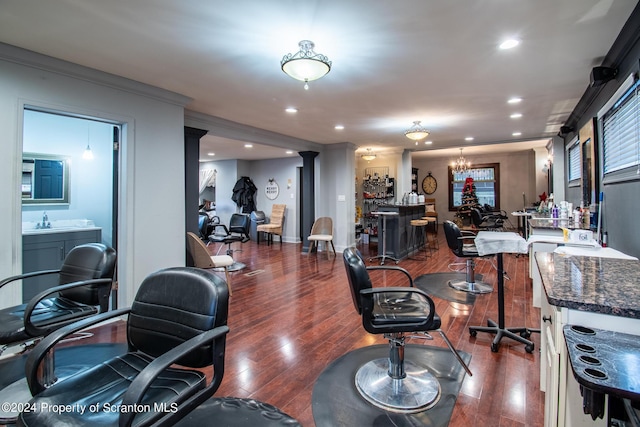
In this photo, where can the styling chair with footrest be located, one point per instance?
(393, 383)
(461, 244)
(238, 232)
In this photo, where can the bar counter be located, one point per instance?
(399, 229)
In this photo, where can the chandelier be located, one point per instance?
(461, 165)
(305, 65)
(416, 132)
(369, 155)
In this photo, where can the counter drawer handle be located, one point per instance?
(546, 318)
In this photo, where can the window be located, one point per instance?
(486, 179)
(620, 127)
(574, 166)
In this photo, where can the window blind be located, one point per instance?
(575, 169)
(620, 132)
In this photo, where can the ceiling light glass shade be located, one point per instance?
(369, 155)
(461, 165)
(416, 132)
(305, 65)
(88, 154)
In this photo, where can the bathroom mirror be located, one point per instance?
(45, 179)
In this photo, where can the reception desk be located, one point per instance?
(398, 243)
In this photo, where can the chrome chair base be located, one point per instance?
(236, 266)
(471, 287)
(416, 392)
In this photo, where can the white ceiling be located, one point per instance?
(393, 62)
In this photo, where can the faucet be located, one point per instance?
(45, 220)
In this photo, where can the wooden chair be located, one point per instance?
(275, 225)
(322, 231)
(202, 259)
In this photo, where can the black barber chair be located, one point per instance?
(461, 244)
(486, 221)
(238, 231)
(83, 287)
(393, 383)
(164, 329)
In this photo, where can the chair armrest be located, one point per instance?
(39, 352)
(32, 329)
(139, 386)
(26, 276)
(394, 268)
(224, 227)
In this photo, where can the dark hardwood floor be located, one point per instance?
(291, 315)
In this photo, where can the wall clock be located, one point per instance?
(429, 184)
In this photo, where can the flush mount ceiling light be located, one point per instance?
(416, 132)
(461, 165)
(509, 44)
(369, 155)
(305, 65)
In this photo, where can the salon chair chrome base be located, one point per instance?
(416, 392)
(469, 284)
(395, 384)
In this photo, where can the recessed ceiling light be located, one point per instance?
(248, 145)
(289, 152)
(291, 110)
(211, 154)
(516, 115)
(469, 138)
(514, 100)
(509, 44)
(516, 133)
(428, 142)
(339, 127)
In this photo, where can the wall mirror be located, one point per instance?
(589, 181)
(45, 179)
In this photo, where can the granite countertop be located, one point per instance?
(604, 361)
(600, 285)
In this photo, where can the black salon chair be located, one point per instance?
(486, 221)
(238, 231)
(83, 287)
(164, 330)
(80, 289)
(393, 383)
(461, 244)
(206, 225)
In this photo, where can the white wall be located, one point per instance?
(151, 210)
(90, 181)
(260, 171)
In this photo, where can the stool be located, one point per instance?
(421, 225)
(383, 236)
(433, 244)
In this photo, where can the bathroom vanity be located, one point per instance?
(45, 249)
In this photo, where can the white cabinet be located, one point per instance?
(563, 401)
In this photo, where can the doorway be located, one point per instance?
(89, 147)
